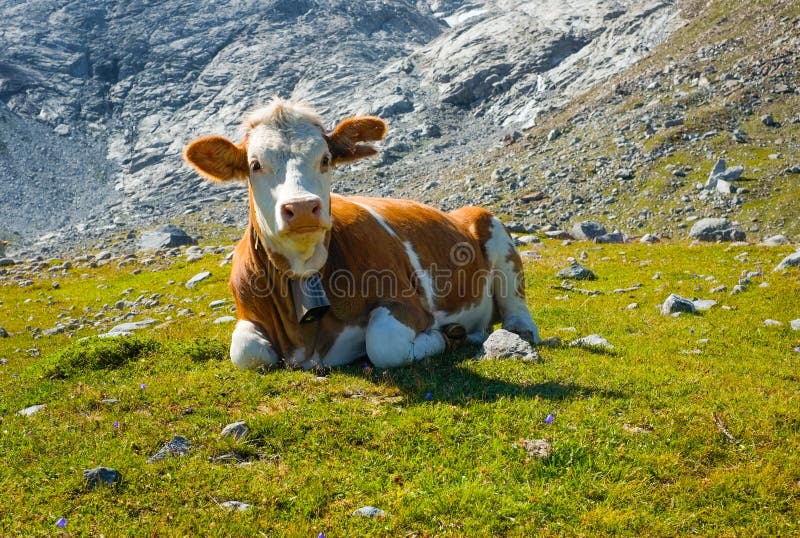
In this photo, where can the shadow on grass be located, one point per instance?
(448, 379)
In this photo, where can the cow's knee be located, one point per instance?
(391, 343)
(250, 348)
(522, 324)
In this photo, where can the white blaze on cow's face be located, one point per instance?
(289, 162)
(286, 156)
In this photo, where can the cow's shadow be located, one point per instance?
(448, 378)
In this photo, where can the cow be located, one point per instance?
(321, 280)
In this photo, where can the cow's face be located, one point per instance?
(286, 156)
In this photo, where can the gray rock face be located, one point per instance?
(716, 229)
(792, 260)
(167, 236)
(587, 230)
(117, 89)
(503, 344)
(101, 475)
(576, 271)
(675, 303)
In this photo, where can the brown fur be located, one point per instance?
(218, 158)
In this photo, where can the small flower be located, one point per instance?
(321, 535)
(61, 523)
(116, 424)
(428, 396)
(15, 375)
(691, 331)
(4, 361)
(142, 386)
(549, 418)
(797, 349)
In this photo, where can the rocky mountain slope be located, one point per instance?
(98, 98)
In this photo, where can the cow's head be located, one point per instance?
(286, 156)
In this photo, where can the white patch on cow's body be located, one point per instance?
(423, 276)
(377, 216)
(474, 318)
(513, 310)
(250, 347)
(349, 345)
(390, 343)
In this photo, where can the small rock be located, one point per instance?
(537, 448)
(593, 341)
(528, 239)
(768, 120)
(3, 333)
(6, 262)
(649, 238)
(553, 135)
(101, 475)
(164, 237)
(776, 241)
(503, 344)
(217, 304)
(587, 230)
(196, 279)
(701, 305)
(676, 303)
(132, 326)
(613, 237)
(632, 306)
(795, 324)
(576, 271)
(32, 410)
(237, 430)
(236, 505)
(792, 260)
(737, 289)
(720, 289)
(225, 319)
(631, 428)
(178, 446)
(369, 511)
(716, 229)
(557, 234)
(772, 323)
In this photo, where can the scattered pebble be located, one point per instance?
(503, 344)
(196, 279)
(101, 475)
(632, 306)
(178, 446)
(772, 323)
(32, 410)
(225, 319)
(237, 430)
(370, 511)
(576, 271)
(701, 305)
(537, 448)
(631, 428)
(675, 303)
(593, 341)
(792, 260)
(795, 324)
(236, 505)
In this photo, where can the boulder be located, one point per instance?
(503, 344)
(792, 260)
(716, 229)
(675, 303)
(167, 236)
(587, 230)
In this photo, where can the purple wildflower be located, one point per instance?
(428, 396)
(15, 375)
(61, 523)
(321, 535)
(4, 361)
(116, 424)
(797, 349)
(142, 386)
(549, 418)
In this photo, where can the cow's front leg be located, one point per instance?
(250, 347)
(392, 343)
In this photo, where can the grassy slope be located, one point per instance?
(448, 466)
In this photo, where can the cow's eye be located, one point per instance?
(255, 166)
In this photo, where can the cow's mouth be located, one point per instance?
(302, 230)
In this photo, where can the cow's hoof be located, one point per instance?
(454, 335)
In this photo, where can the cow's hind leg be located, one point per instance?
(250, 348)
(392, 342)
(509, 283)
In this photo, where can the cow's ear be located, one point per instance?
(217, 158)
(349, 141)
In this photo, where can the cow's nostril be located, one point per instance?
(316, 210)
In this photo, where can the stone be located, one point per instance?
(792, 260)
(613, 237)
(701, 305)
(722, 288)
(557, 234)
(795, 324)
(101, 475)
(177, 446)
(167, 236)
(537, 448)
(6, 262)
(370, 512)
(32, 410)
(503, 344)
(676, 303)
(772, 323)
(3, 333)
(778, 240)
(132, 326)
(219, 303)
(592, 341)
(225, 319)
(576, 271)
(768, 120)
(649, 239)
(632, 428)
(196, 279)
(528, 239)
(236, 505)
(587, 230)
(237, 430)
(716, 229)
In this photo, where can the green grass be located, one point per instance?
(447, 464)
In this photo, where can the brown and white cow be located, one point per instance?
(404, 280)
